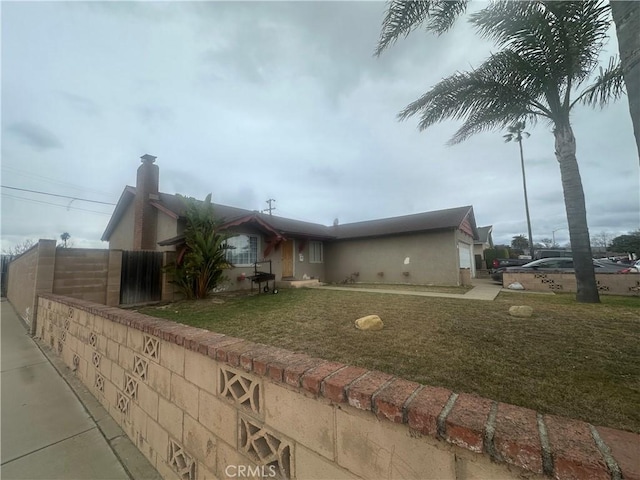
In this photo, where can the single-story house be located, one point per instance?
(423, 248)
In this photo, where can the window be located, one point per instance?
(243, 250)
(315, 252)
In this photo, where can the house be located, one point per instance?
(423, 248)
(482, 243)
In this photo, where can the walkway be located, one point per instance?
(483, 289)
(47, 432)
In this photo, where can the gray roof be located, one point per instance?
(438, 220)
(450, 218)
(484, 234)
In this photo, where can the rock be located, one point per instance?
(523, 311)
(370, 322)
(515, 286)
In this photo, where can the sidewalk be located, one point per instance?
(47, 432)
(483, 289)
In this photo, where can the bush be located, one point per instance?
(200, 265)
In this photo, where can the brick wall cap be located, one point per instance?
(506, 432)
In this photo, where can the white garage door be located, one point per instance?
(466, 257)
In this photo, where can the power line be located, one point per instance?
(54, 204)
(56, 195)
(41, 178)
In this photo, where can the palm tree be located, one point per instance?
(626, 16)
(549, 49)
(404, 16)
(515, 135)
(64, 237)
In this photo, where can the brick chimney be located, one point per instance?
(145, 215)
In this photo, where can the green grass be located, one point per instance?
(569, 359)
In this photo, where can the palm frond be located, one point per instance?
(609, 85)
(502, 91)
(563, 38)
(444, 14)
(404, 16)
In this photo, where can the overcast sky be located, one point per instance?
(251, 101)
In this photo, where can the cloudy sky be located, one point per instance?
(259, 100)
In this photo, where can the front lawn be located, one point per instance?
(569, 359)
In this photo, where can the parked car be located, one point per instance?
(499, 264)
(558, 264)
(634, 268)
(551, 252)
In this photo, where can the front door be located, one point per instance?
(287, 258)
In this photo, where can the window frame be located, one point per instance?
(312, 258)
(230, 251)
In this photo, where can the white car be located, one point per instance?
(633, 268)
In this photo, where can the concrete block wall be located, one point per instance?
(608, 283)
(202, 405)
(21, 283)
(82, 273)
(29, 275)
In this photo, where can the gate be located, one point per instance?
(141, 277)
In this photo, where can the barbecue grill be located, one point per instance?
(260, 277)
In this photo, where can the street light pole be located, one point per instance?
(553, 236)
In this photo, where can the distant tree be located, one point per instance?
(201, 263)
(520, 243)
(64, 237)
(627, 243)
(20, 248)
(601, 240)
(546, 243)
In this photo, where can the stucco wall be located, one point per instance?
(167, 228)
(122, 236)
(201, 405)
(300, 267)
(433, 258)
(305, 267)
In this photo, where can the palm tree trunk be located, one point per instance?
(626, 16)
(576, 215)
(526, 199)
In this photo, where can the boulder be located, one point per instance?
(370, 322)
(523, 311)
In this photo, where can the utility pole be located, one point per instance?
(271, 207)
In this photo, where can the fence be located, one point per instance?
(204, 405)
(89, 274)
(5, 261)
(141, 279)
(608, 283)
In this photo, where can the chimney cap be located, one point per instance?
(146, 158)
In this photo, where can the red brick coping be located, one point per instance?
(558, 447)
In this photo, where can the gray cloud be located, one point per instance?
(34, 135)
(284, 100)
(82, 104)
